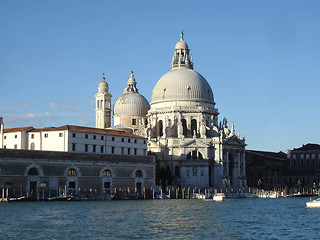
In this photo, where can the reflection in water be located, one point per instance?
(158, 219)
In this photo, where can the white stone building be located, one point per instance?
(182, 127)
(75, 139)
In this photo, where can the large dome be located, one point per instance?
(182, 84)
(131, 104)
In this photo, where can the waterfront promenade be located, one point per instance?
(43, 194)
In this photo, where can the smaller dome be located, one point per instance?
(103, 86)
(131, 104)
(181, 45)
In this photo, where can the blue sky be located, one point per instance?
(261, 59)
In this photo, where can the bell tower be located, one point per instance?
(103, 105)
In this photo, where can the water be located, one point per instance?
(161, 219)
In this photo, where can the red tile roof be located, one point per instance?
(277, 156)
(18, 129)
(87, 130)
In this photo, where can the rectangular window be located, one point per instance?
(86, 136)
(129, 140)
(134, 121)
(73, 135)
(122, 139)
(294, 157)
(5, 137)
(112, 138)
(135, 151)
(86, 147)
(129, 150)
(112, 150)
(313, 157)
(15, 146)
(101, 150)
(144, 141)
(307, 159)
(46, 135)
(94, 136)
(15, 136)
(60, 134)
(102, 137)
(32, 136)
(94, 148)
(135, 141)
(73, 147)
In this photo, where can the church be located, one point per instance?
(181, 126)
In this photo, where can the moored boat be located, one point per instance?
(314, 203)
(218, 197)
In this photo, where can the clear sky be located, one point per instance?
(261, 58)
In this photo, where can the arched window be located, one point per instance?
(32, 146)
(72, 172)
(193, 127)
(33, 171)
(194, 155)
(106, 173)
(184, 126)
(138, 173)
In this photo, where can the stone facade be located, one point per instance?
(32, 171)
(183, 130)
(304, 166)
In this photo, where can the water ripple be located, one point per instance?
(161, 219)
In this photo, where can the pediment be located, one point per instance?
(196, 143)
(234, 140)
